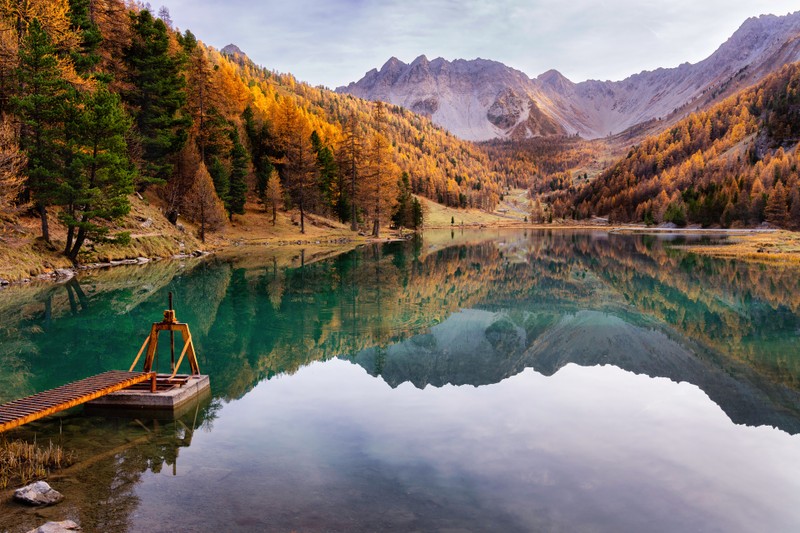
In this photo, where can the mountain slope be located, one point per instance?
(475, 100)
(482, 100)
(218, 131)
(735, 164)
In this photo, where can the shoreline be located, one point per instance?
(752, 244)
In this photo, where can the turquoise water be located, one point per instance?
(505, 381)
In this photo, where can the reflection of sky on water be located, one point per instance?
(586, 449)
(366, 441)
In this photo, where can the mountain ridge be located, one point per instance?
(459, 94)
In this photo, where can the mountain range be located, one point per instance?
(481, 99)
(477, 347)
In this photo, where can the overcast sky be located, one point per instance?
(333, 42)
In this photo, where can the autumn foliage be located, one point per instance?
(733, 165)
(191, 116)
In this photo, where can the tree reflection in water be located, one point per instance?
(474, 309)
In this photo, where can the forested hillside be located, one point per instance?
(100, 99)
(733, 165)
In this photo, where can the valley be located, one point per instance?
(448, 296)
(259, 156)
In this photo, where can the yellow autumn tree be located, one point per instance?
(53, 15)
(12, 161)
(274, 195)
(298, 163)
(378, 186)
(202, 204)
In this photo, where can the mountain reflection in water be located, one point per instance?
(466, 309)
(533, 299)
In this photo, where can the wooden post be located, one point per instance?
(171, 339)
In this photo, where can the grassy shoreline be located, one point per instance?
(25, 257)
(778, 247)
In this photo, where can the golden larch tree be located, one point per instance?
(378, 185)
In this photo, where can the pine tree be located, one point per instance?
(100, 174)
(257, 138)
(221, 179)
(417, 214)
(403, 215)
(40, 104)
(157, 95)
(86, 55)
(237, 188)
(326, 166)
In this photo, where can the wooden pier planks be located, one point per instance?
(24, 410)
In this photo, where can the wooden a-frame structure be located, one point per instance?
(169, 323)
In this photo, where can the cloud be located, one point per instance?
(334, 42)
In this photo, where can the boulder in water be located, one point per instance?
(64, 526)
(39, 494)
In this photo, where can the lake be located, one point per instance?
(466, 381)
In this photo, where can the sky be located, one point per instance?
(334, 42)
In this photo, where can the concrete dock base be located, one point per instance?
(169, 400)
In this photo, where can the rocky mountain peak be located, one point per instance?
(555, 79)
(420, 61)
(232, 50)
(393, 64)
(481, 99)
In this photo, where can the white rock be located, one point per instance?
(39, 493)
(57, 527)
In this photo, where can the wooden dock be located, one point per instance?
(24, 410)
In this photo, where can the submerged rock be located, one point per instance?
(57, 527)
(39, 493)
(64, 274)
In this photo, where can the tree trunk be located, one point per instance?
(84, 302)
(73, 254)
(302, 219)
(202, 222)
(45, 225)
(353, 222)
(70, 236)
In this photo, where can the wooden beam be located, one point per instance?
(22, 411)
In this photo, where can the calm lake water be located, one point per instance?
(499, 381)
